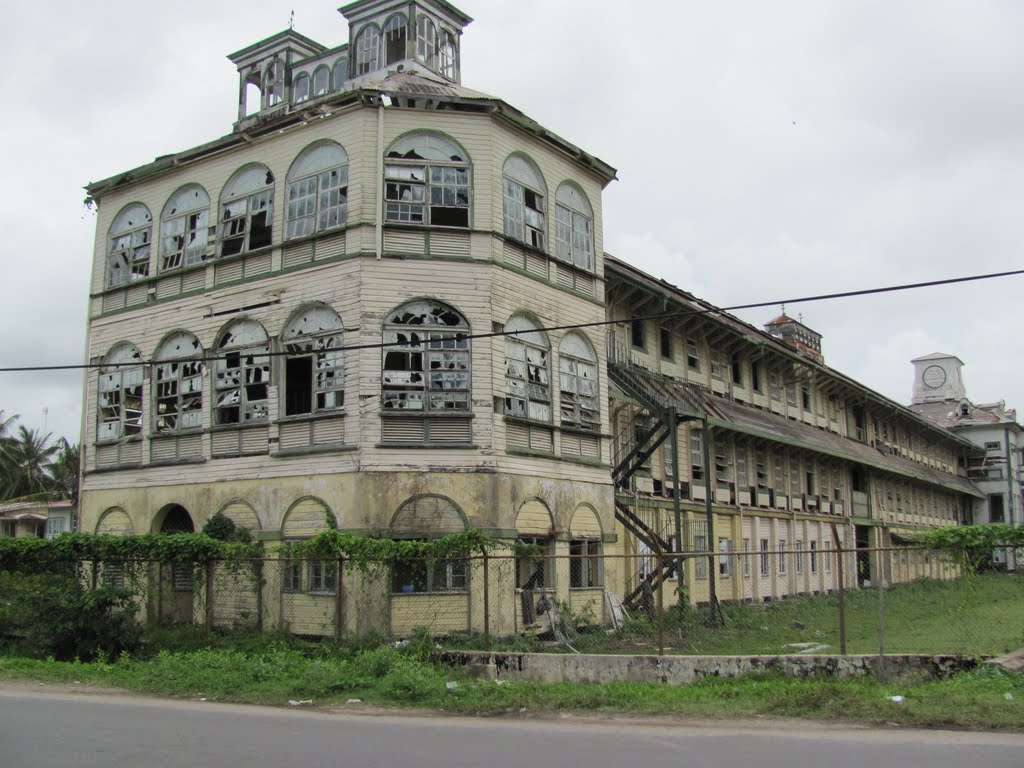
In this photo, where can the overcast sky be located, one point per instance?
(765, 150)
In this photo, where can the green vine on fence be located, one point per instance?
(363, 551)
(19, 554)
(973, 546)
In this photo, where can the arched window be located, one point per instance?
(585, 565)
(527, 370)
(395, 31)
(247, 210)
(426, 517)
(300, 89)
(426, 181)
(120, 394)
(314, 374)
(524, 201)
(178, 378)
(317, 190)
(368, 50)
(577, 374)
(574, 239)
(242, 374)
(340, 72)
(321, 80)
(273, 84)
(426, 41)
(448, 55)
(426, 359)
(130, 236)
(184, 228)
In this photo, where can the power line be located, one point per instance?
(575, 326)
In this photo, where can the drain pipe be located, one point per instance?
(379, 223)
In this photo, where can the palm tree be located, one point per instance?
(27, 461)
(65, 470)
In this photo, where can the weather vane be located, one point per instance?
(291, 21)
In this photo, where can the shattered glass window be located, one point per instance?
(578, 387)
(527, 371)
(314, 368)
(247, 211)
(524, 201)
(426, 360)
(241, 374)
(184, 228)
(317, 191)
(178, 380)
(273, 84)
(426, 181)
(574, 241)
(130, 245)
(120, 394)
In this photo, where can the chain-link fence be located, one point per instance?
(750, 602)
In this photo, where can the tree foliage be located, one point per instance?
(34, 465)
(973, 546)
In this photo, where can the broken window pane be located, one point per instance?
(178, 380)
(241, 374)
(395, 31)
(184, 228)
(426, 370)
(120, 394)
(130, 237)
(273, 84)
(426, 182)
(577, 366)
(527, 371)
(247, 205)
(317, 191)
(314, 368)
(447, 55)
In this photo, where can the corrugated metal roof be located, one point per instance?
(758, 423)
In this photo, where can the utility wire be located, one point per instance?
(424, 343)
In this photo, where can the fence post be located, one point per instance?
(208, 623)
(339, 600)
(159, 591)
(487, 601)
(661, 596)
(257, 571)
(881, 621)
(842, 589)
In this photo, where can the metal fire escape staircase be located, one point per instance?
(664, 404)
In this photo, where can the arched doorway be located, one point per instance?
(176, 585)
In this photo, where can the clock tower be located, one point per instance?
(937, 378)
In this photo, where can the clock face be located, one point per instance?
(933, 377)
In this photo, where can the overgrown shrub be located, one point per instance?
(53, 615)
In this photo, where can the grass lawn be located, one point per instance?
(979, 616)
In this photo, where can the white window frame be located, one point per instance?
(433, 341)
(524, 194)
(185, 229)
(527, 371)
(368, 50)
(315, 333)
(247, 211)
(242, 372)
(578, 385)
(131, 244)
(301, 88)
(426, 40)
(396, 29)
(317, 190)
(119, 394)
(178, 384)
(585, 564)
(574, 227)
(428, 182)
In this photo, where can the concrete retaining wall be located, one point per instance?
(678, 670)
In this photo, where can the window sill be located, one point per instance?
(527, 421)
(298, 418)
(426, 227)
(436, 446)
(175, 433)
(116, 468)
(434, 593)
(319, 593)
(594, 588)
(585, 432)
(176, 462)
(406, 414)
(313, 449)
(118, 441)
(221, 259)
(235, 427)
(316, 235)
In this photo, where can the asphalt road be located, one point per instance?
(41, 728)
